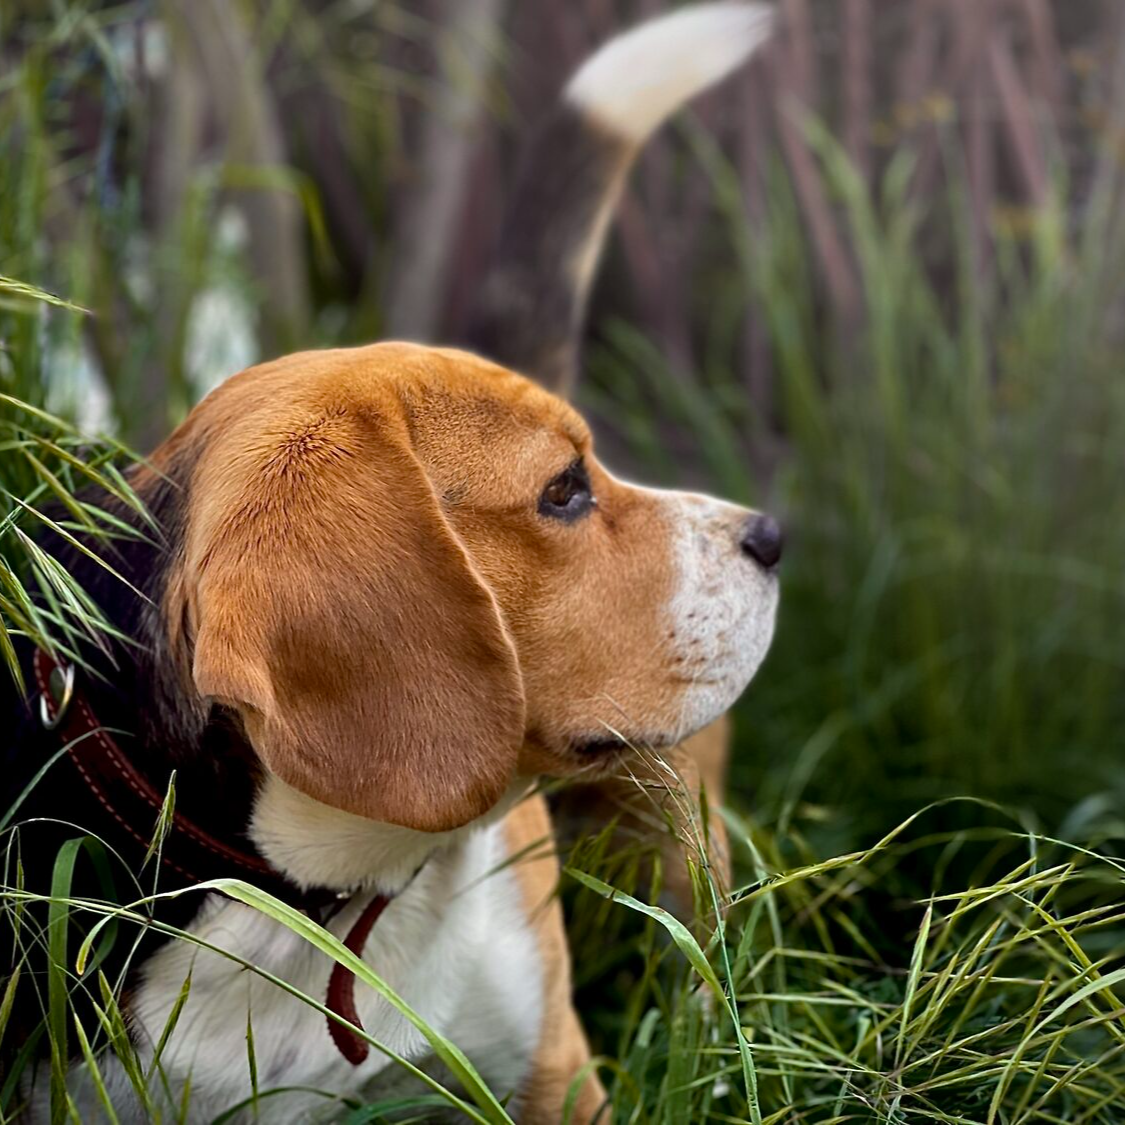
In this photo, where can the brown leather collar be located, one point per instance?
(134, 804)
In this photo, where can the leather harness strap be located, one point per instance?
(134, 804)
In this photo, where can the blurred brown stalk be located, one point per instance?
(402, 122)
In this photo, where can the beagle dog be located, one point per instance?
(393, 588)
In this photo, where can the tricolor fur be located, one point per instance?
(396, 586)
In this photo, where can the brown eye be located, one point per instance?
(568, 496)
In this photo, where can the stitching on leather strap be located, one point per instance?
(83, 724)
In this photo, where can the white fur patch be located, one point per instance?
(319, 846)
(724, 607)
(455, 945)
(638, 78)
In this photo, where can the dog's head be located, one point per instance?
(407, 574)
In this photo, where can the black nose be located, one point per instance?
(761, 540)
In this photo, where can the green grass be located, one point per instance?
(838, 990)
(950, 639)
(44, 462)
(868, 997)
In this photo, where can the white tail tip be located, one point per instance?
(641, 76)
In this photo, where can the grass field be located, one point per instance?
(928, 776)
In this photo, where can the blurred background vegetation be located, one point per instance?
(876, 283)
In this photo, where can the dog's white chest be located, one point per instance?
(455, 946)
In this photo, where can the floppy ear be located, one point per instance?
(337, 612)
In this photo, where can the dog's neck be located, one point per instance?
(316, 845)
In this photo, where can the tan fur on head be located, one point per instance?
(337, 612)
(369, 583)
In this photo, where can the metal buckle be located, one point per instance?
(60, 685)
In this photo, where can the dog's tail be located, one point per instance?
(531, 306)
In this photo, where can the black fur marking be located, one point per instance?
(133, 688)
